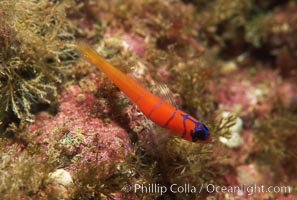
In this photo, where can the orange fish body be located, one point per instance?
(155, 108)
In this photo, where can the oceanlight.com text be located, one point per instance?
(248, 189)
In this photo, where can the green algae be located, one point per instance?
(34, 56)
(275, 144)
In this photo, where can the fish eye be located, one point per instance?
(201, 132)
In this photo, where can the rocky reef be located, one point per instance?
(67, 132)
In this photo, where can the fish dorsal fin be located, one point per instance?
(140, 73)
(163, 91)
